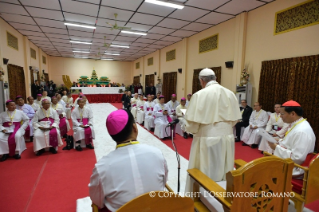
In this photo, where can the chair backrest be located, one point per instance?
(262, 178)
(312, 189)
(158, 201)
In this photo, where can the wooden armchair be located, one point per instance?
(262, 177)
(305, 190)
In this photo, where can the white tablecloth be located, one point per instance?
(99, 90)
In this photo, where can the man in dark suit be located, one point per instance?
(127, 101)
(35, 87)
(244, 122)
(123, 97)
(152, 89)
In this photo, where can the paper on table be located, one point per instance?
(184, 111)
(267, 136)
(9, 129)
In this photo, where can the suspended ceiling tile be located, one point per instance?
(91, 1)
(139, 44)
(123, 4)
(53, 30)
(161, 30)
(17, 18)
(108, 13)
(214, 18)
(138, 27)
(154, 9)
(144, 40)
(10, 1)
(44, 13)
(171, 38)
(163, 43)
(79, 7)
(58, 40)
(121, 38)
(173, 23)
(49, 23)
(48, 4)
(237, 6)
(145, 19)
(26, 27)
(197, 27)
(30, 33)
(82, 39)
(206, 4)
(189, 14)
(50, 35)
(109, 22)
(183, 33)
(106, 30)
(81, 34)
(80, 19)
(12, 9)
(154, 36)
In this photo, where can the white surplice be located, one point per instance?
(38, 102)
(68, 106)
(172, 108)
(133, 106)
(126, 173)
(187, 102)
(35, 106)
(161, 121)
(156, 101)
(47, 98)
(297, 144)
(62, 103)
(210, 118)
(78, 132)
(19, 138)
(41, 138)
(258, 119)
(140, 112)
(180, 116)
(274, 121)
(61, 111)
(149, 117)
(29, 111)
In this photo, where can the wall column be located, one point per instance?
(184, 67)
(27, 63)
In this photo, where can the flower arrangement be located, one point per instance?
(244, 77)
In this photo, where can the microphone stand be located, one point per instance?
(178, 158)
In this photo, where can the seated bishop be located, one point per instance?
(11, 131)
(129, 171)
(76, 100)
(162, 119)
(64, 125)
(38, 101)
(134, 101)
(172, 104)
(68, 104)
(148, 110)
(46, 129)
(258, 120)
(60, 101)
(299, 139)
(156, 101)
(189, 96)
(82, 119)
(276, 127)
(28, 110)
(34, 105)
(140, 110)
(45, 96)
(180, 116)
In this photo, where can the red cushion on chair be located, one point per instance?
(309, 158)
(297, 185)
(314, 158)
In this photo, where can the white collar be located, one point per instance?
(296, 121)
(211, 83)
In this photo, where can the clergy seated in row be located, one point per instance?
(148, 110)
(129, 171)
(189, 96)
(299, 139)
(162, 118)
(210, 117)
(13, 123)
(276, 127)
(64, 125)
(134, 101)
(244, 121)
(180, 116)
(140, 110)
(258, 120)
(45, 96)
(46, 129)
(28, 110)
(34, 105)
(60, 101)
(38, 101)
(79, 97)
(172, 104)
(68, 104)
(156, 101)
(82, 119)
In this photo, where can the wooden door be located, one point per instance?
(16, 81)
(46, 77)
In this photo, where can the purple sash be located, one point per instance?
(11, 139)
(133, 105)
(63, 127)
(53, 135)
(141, 107)
(149, 108)
(87, 131)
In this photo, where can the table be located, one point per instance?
(99, 90)
(100, 94)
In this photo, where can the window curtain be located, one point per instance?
(196, 83)
(292, 78)
(16, 81)
(169, 85)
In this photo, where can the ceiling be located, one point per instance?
(42, 21)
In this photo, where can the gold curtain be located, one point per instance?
(136, 80)
(292, 78)
(196, 83)
(169, 85)
(16, 81)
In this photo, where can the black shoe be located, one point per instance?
(17, 156)
(254, 146)
(237, 140)
(152, 129)
(40, 152)
(89, 146)
(244, 144)
(66, 148)
(53, 150)
(262, 152)
(31, 138)
(191, 135)
(71, 141)
(78, 148)
(4, 157)
(185, 135)
(65, 136)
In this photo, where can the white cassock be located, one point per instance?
(149, 117)
(133, 106)
(161, 121)
(186, 103)
(156, 101)
(258, 119)
(126, 173)
(210, 118)
(297, 144)
(274, 125)
(68, 106)
(38, 102)
(41, 138)
(47, 98)
(76, 102)
(28, 110)
(35, 106)
(172, 108)
(18, 116)
(61, 111)
(78, 132)
(140, 112)
(180, 116)
(62, 103)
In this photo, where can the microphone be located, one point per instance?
(173, 122)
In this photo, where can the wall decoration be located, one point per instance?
(208, 44)
(171, 55)
(33, 53)
(150, 61)
(12, 41)
(44, 60)
(137, 65)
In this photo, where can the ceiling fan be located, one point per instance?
(115, 26)
(107, 45)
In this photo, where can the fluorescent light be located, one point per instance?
(111, 54)
(80, 25)
(120, 46)
(73, 41)
(81, 52)
(167, 4)
(81, 57)
(135, 33)
(107, 59)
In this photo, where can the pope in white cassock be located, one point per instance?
(64, 125)
(134, 101)
(140, 110)
(82, 119)
(34, 105)
(162, 119)
(46, 129)
(11, 131)
(180, 116)
(69, 104)
(210, 117)
(276, 127)
(258, 120)
(129, 171)
(172, 104)
(299, 140)
(148, 110)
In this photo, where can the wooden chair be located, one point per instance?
(268, 175)
(305, 190)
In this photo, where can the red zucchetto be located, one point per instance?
(291, 103)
